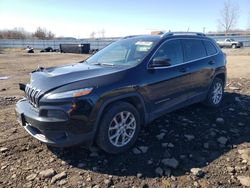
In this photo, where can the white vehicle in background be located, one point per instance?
(229, 43)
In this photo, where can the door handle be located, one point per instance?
(183, 69)
(211, 62)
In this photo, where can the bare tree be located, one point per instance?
(50, 35)
(20, 33)
(42, 33)
(16, 33)
(101, 33)
(229, 16)
(92, 35)
(39, 33)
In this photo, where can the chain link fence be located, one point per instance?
(97, 43)
(40, 44)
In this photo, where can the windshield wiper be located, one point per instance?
(109, 64)
(96, 64)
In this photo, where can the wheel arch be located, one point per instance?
(134, 99)
(234, 44)
(222, 76)
(221, 73)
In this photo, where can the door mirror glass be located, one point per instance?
(160, 62)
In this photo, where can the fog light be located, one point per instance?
(58, 114)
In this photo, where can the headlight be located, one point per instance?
(70, 94)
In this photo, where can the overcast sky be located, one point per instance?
(117, 17)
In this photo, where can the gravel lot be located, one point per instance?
(191, 147)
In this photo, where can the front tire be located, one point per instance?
(119, 128)
(215, 93)
(234, 46)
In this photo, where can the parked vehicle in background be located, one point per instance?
(49, 49)
(83, 48)
(29, 49)
(109, 97)
(229, 43)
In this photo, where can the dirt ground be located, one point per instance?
(191, 147)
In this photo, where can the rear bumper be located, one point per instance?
(50, 130)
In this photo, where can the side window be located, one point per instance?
(211, 50)
(193, 49)
(172, 50)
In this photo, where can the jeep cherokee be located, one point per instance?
(107, 98)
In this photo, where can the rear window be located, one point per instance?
(211, 50)
(193, 49)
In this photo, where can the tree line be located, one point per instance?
(20, 33)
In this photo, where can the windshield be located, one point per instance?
(128, 52)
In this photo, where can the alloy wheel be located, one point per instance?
(217, 93)
(122, 128)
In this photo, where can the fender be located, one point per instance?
(117, 98)
(218, 71)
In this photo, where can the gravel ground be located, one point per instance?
(192, 147)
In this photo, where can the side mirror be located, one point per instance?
(160, 62)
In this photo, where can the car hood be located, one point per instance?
(47, 79)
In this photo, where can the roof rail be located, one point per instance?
(183, 33)
(131, 36)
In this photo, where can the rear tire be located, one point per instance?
(215, 93)
(119, 128)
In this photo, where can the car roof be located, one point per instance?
(150, 37)
(170, 35)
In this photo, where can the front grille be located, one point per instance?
(33, 94)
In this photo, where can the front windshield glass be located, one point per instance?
(128, 52)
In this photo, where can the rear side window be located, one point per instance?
(211, 50)
(193, 49)
(171, 49)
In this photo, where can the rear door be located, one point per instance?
(168, 86)
(200, 66)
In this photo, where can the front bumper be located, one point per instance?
(53, 131)
(239, 45)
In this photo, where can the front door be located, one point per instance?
(168, 86)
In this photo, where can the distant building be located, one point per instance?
(157, 32)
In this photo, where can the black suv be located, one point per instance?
(110, 96)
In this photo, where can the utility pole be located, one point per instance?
(204, 29)
(102, 32)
